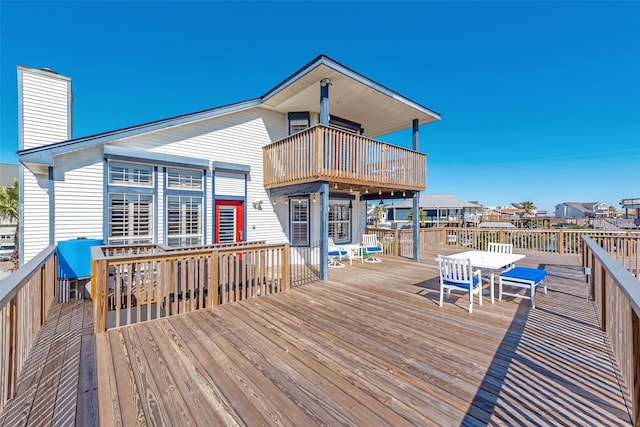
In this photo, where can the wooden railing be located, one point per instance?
(146, 286)
(25, 298)
(400, 242)
(524, 240)
(623, 245)
(616, 295)
(624, 249)
(323, 153)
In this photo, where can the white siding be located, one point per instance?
(78, 193)
(234, 138)
(45, 108)
(229, 184)
(35, 216)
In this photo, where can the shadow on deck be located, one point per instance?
(58, 384)
(370, 346)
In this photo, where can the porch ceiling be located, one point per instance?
(379, 110)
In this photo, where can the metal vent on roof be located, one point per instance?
(49, 70)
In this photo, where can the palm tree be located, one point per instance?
(9, 210)
(378, 212)
(422, 216)
(528, 207)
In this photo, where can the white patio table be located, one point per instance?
(491, 261)
(355, 251)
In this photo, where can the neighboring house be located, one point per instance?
(371, 214)
(8, 175)
(582, 210)
(439, 209)
(293, 165)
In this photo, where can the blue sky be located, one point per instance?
(540, 101)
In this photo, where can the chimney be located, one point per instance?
(44, 107)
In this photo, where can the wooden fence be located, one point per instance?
(25, 298)
(139, 287)
(616, 295)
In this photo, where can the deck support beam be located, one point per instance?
(324, 231)
(416, 200)
(324, 101)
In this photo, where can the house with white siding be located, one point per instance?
(582, 210)
(294, 165)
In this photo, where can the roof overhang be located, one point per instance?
(352, 96)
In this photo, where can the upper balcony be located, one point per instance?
(323, 153)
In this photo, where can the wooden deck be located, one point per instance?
(57, 386)
(369, 347)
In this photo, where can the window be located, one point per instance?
(184, 207)
(298, 122)
(340, 222)
(184, 179)
(184, 220)
(345, 125)
(130, 174)
(130, 218)
(130, 203)
(299, 219)
(401, 214)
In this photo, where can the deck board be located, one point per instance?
(56, 385)
(371, 346)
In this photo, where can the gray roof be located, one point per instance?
(8, 173)
(321, 67)
(434, 201)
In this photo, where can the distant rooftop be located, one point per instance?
(443, 201)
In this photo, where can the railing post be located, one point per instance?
(319, 134)
(214, 280)
(560, 242)
(396, 239)
(100, 297)
(286, 276)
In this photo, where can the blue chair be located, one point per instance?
(523, 278)
(457, 274)
(370, 247)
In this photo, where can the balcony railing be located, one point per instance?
(323, 153)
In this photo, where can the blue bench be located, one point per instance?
(523, 278)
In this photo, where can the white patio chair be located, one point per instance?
(503, 248)
(336, 254)
(456, 274)
(371, 246)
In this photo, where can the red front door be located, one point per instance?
(229, 224)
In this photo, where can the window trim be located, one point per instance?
(128, 183)
(180, 193)
(300, 117)
(292, 201)
(349, 221)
